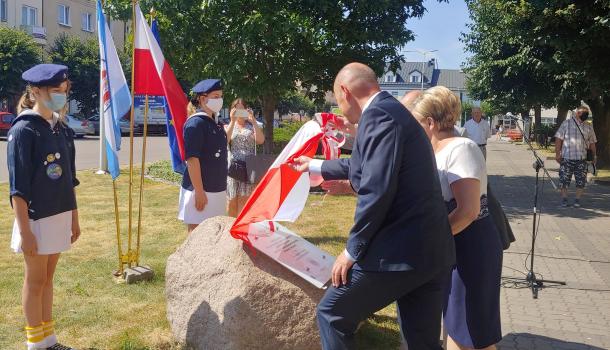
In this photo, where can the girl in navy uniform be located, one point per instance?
(204, 185)
(42, 180)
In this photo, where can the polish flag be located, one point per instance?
(282, 193)
(154, 76)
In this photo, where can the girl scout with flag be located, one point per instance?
(42, 179)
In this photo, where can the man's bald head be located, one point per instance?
(408, 100)
(354, 85)
(359, 78)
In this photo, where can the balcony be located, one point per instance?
(38, 33)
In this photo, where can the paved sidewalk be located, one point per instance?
(573, 245)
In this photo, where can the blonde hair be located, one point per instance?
(27, 101)
(440, 104)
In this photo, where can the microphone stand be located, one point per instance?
(531, 281)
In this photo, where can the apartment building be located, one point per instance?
(45, 20)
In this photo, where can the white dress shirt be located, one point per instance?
(478, 132)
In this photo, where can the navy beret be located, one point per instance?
(206, 86)
(46, 74)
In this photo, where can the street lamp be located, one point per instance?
(424, 53)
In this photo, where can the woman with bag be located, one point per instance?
(203, 191)
(243, 134)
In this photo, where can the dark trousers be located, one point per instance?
(419, 298)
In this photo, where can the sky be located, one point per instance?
(439, 29)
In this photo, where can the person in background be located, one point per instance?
(471, 314)
(42, 178)
(500, 131)
(204, 184)
(243, 133)
(478, 130)
(572, 140)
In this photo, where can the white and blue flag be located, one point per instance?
(116, 99)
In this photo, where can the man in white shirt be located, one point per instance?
(478, 130)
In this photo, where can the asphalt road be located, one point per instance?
(87, 152)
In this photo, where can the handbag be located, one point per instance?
(590, 157)
(237, 170)
(257, 165)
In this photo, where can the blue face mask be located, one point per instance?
(57, 103)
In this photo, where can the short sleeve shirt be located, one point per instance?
(460, 159)
(575, 144)
(206, 140)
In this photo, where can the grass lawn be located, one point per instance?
(93, 312)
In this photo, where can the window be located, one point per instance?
(29, 16)
(63, 15)
(87, 22)
(390, 78)
(394, 93)
(415, 77)
(3, 11)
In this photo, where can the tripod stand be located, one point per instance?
(531, 281)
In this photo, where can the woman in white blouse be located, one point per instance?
(472, 309)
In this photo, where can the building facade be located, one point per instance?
(423, 75)
(45, 20)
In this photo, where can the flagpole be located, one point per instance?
(131, 124)
(118, 227)
(103, 161)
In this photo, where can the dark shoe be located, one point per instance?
(59, 346)
(576, 204)
(564, 203)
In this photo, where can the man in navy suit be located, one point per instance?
(400, 247)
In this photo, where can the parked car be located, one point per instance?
(6, 119)
(123, 124)
(81, 127)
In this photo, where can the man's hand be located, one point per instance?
(340, 270)
(201, 200)
(301, 164)
(337, 187)
(345, 126)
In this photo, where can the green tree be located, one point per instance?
(82, 58)
(294, 102)
(533, 54)
(262, 48)
(18, 53)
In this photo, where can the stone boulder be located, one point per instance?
(220, 296)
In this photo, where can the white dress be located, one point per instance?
(217, 204)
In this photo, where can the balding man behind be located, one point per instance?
(400, 247)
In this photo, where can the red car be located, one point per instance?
(6, 119)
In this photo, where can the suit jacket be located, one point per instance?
(401, 221)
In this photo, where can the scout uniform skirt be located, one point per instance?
(53, 234)
(217, 206)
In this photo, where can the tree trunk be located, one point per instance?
(269, 106)
(562, 113)
(600, 107)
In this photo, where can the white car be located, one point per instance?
(81, 127)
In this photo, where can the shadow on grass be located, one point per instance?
(379, 332)
(320, 240)
(523, 341)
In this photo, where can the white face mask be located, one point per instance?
(215, 104)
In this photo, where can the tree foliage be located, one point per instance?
(82, 58)
(262, 48)
(532, 53)
(18, 53)
(295, 102)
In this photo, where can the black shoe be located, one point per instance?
(59, 346)
(564, 204)
(576, 204)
